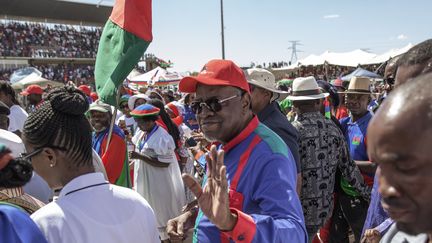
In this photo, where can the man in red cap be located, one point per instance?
(34, 96)
(87, 91)
(249, 192)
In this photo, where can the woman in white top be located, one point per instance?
(157, 173)
(58, 140)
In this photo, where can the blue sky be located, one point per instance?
(187, 32)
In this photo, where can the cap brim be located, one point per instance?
(24, 93)
(309, 97)
(98, 109)
(189, 84)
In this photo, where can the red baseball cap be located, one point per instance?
(85, 89)
(94, 96)
(216, 72)
(32, 89)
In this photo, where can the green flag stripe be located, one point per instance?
(118, 52)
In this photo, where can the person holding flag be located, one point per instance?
(114, 156)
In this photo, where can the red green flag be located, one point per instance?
(125, 37)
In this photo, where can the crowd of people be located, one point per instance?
(230, 158)
(80, 73)
(37, 40)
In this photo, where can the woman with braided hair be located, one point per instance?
(89, 209)
(15, 223)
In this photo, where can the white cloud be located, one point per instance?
(331, 16)
(402, 37)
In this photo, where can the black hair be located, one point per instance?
(16, 173)
(419, 54)
(6, 88)
(172, 127)
(149, 118)
(60, 123)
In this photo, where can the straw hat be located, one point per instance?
(358, 85)
(306, 89)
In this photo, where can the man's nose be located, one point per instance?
(386, 188)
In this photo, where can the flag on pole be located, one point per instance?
(125, 37)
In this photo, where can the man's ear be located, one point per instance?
(246, 102)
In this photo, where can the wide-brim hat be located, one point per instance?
(133, 98)
(263, 79)
(306, 88)
(358, 85)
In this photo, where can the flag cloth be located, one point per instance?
(115, 158)
(125, 37)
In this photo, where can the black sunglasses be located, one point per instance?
(124, 106)
(390, 81)
(212, 104)
(27, 156)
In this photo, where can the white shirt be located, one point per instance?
(161, 187)
(17, 118)
(91, 210)
(36, 187)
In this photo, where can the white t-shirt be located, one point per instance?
(17, 118)
(89, 209)
(36, 187)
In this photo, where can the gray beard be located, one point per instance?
(99, 130)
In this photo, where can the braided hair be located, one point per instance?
(60, 123)
(6, 88)
(171, 126)
(16, 173)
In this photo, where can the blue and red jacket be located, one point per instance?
(262, 180)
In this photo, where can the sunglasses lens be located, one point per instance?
(214, 105)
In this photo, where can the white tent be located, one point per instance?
(157, 76)
(34, 79)
(350, 59)
(389, 54)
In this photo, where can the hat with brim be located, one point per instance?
(216, 73)
(358, 85)
(306, 89)
(264, 79)
(100, 106)
(32, 89)
(145, 110)
(124, 98)
(133, 98)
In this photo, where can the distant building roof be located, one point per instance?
(53, 10)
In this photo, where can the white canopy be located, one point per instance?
(158, 76)
(350, 59)
(34, 79)
(390, 54)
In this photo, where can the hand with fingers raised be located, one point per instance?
(213, 199)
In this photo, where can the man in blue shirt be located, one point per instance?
(249, 192)
(351, 208)
(264, 94)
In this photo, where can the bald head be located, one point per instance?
(399, 141)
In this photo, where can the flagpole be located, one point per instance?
(114, 115)
(222, 28)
